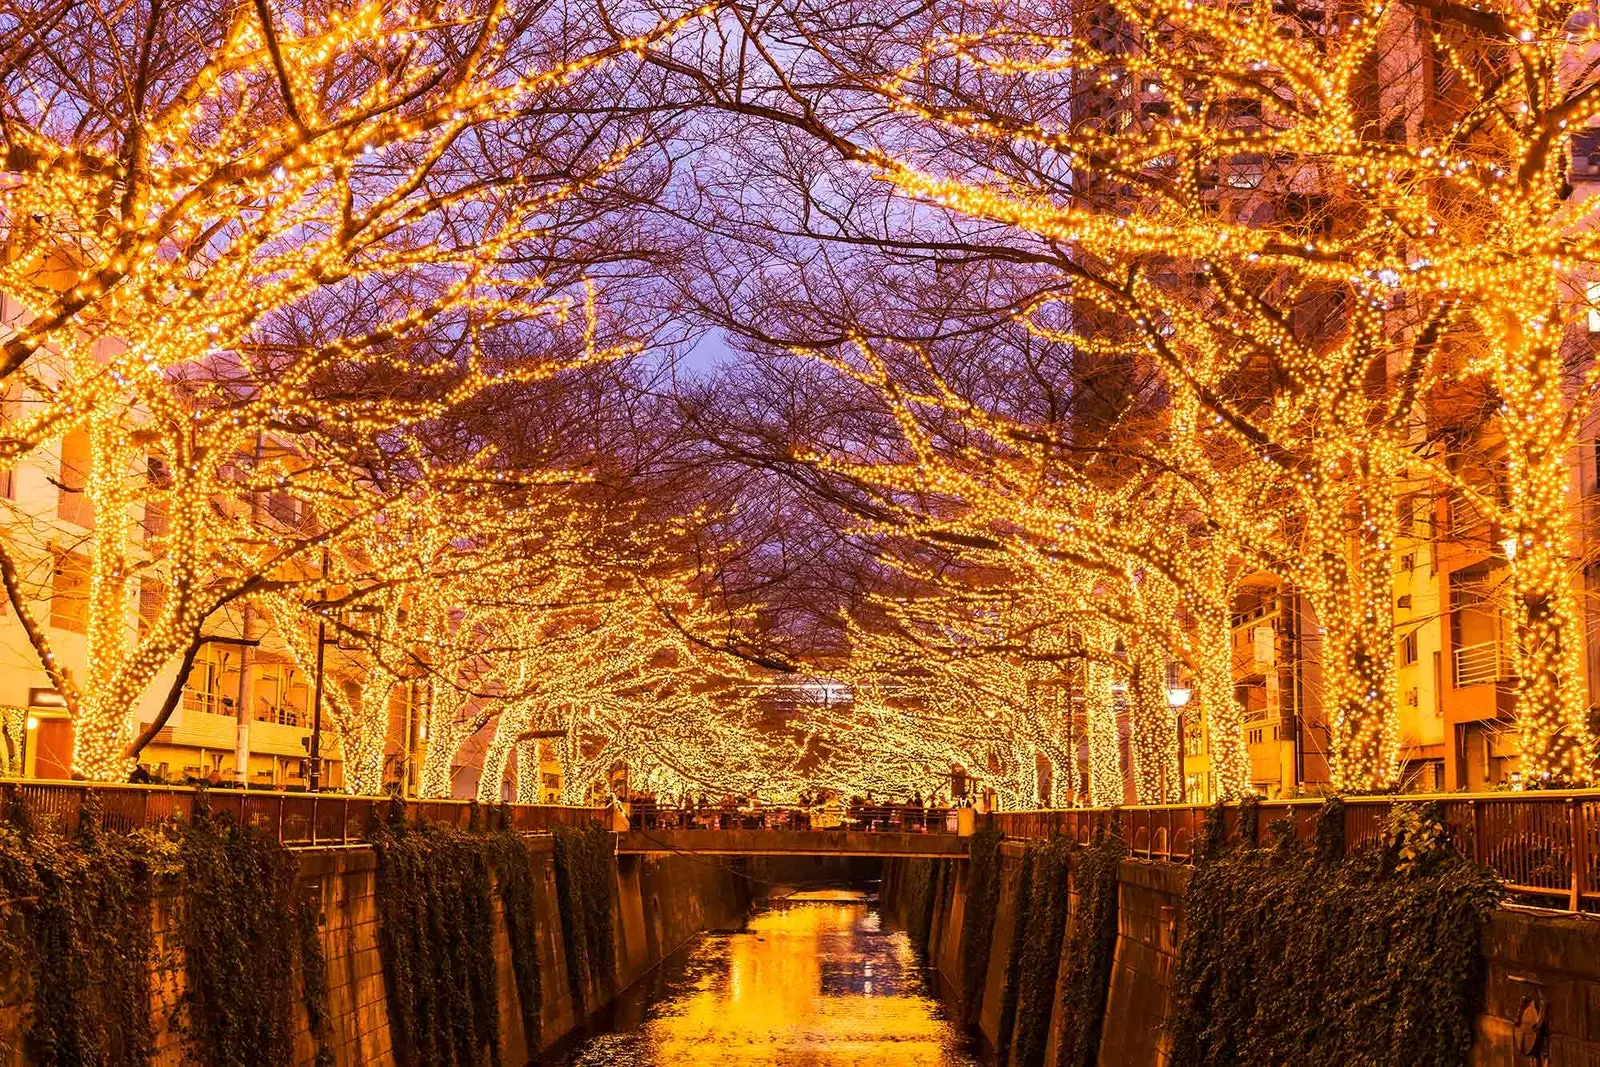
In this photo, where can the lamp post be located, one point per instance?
(1178, 698)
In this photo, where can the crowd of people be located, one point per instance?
(824, 810)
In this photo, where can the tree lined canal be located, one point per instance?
(813, 980)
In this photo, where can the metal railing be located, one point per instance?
(295, 819)
(882, 818)
(1483, 662)
(1545, 846)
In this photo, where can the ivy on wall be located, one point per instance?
(436, 939)
(916, 887)
(1091, 950)
(1038, 955)
(86, 905)
(514, 878)
(314, 980)
(977, 920)
(1020, 925)
(1303, 955)
(585, 874)
(239, 930)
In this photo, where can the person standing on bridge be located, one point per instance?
(914, 813)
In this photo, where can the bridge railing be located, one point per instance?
(891, 818)
(298, 819)
(1544, 845)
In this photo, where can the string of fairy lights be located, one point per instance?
(1325, 238)
(1331, 257)
(309, 170)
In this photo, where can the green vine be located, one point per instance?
(916, 889)
(1091, 950)
(87, 903)
(514, 877)
(585, 873)
(977, 920)
(436, 938)
(1020, 926)
(238, 930)
(1039, 954)
(314, 980)
(1308, 956)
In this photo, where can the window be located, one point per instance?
(1256, 736)
(1408, 649)
(281, 694)
(69, 593)
(76, 460)
(213, 681)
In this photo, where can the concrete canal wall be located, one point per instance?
(1540, 965)
(659, 903)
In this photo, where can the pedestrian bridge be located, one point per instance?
(762, 842)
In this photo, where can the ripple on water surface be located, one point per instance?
(813, 981)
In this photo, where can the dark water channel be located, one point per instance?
(814, 980)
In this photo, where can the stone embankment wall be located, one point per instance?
(1538, 962)
(659, 904)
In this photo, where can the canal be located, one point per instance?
(812, 980)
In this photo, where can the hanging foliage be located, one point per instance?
(436, 938)
(87, 903)
(977, 920)
(1091, 950)
(514, 877)
(1293, 955)
(1021, 925)
(585, 873)
(238, 928)
(314, 980)
(916, 888)
(1039, 953)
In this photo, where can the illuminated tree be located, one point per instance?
(250, 243)
(1323, 223)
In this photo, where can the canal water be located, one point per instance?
(813, 980)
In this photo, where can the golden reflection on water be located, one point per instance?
(808, 983)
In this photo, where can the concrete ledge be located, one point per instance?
(790, 843)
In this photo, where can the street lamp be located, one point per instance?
(1178, 698)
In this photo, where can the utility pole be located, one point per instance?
(314, 753)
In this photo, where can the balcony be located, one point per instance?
(1480, 664)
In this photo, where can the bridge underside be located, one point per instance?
(791, 843)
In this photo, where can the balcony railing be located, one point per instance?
(296, 819)
(1545, 846)
(1480, 663)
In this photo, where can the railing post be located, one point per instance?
(313, 820)
(1580, 850)
(1480, 847)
